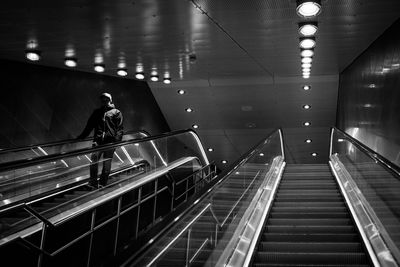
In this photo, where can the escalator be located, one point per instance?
(309, 223)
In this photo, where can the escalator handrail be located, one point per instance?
(35, 161)
(369, 152)
(219, 180)
(62, 142)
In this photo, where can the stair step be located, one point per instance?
(305, 204)
(308, 237)
(330, 221)
(310, 215)
(309, 209)
(306, 229)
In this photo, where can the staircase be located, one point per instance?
(309, 223)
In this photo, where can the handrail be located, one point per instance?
(223, 176)
(34, 161)
(372, 154)
(62, 142)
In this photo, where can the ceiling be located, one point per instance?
(245, 80)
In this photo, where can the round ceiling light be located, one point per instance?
(181, 92)
(306, 65)
(154, 78)
(195, 126)
(306, 60)
(307, 43)
(306, 87)
(189, 110)
(139, 75)
(70, 62)
(307, 53)
(33, 55)
(306, 76)
(306, 106)
(308, 29)
(224, 161)
(167, 80)
(210, 149)
(306, 70)
(122, 72)
(314, 154)
(307, 123)
(99, 68)
(308, 141)
(307, 9)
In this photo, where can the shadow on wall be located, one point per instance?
(42, 104)
(369, 96)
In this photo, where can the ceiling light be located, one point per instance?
(99, 68)
(307, 9)
(261, 154)
(314, 154)
(372, 85)
(154, 78)
(181, 92)
(33, 55)
(308, 141)
(167, 80)
(306, 60)
(122, 72)
(195, 126)
(306, 76)
(237, 173)
(307, 43)
(307, 53)
(224, 161)
(306, 65)
(210, 149)
(139, 75)
(70, 62)
(340, 140)
(189, 110)
(308, 29)
(306, 87)
(306, 106)
(307, 70)
(307, 123)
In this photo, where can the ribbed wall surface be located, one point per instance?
(309, 223)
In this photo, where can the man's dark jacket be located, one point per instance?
(107, 125)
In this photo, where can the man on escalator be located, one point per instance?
(106, 122)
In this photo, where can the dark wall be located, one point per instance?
(40, 104)
(369, 96)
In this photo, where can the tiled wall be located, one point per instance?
(40, 104)
(369, 96)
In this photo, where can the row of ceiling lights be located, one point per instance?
(307, 30)
(307, 9)
(35, 55)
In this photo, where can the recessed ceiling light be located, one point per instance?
(210, 149)
(306, 70)
(33, 55)
(306, 123)
(122, 72)
(372, 85)
(308, 29)
(189, 110)
(307, 43)
(181, 92)
(314, 154)
(195, 126)
(70, 62)
(306, 106)
(340, 140)
(308, 141)
(307, 9)
(306, 76)
(261, 154)
(167, 80)
(306, 87)
(237, 173)
(99, 68)
(307, 53)
(139, 75)
(306, 65)
(306, 60)
(224, 161)
(154, 78)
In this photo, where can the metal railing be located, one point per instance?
(152, 188)
(186, 232)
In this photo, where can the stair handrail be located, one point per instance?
(368, 151)
(35, 161)
(217, 182)
(63, 142)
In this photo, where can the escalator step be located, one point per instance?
(309, 237)
(310, 247)
(311, 215)
(311, 258)
(305, 204)
(273, 221)
(309, 209)
(310, 229)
